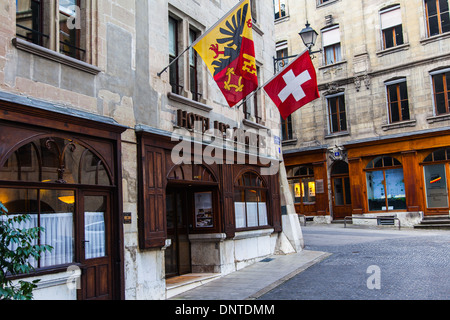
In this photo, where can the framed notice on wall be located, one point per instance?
(204, 215)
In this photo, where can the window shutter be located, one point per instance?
(391, 18)
(331, 36)
(152, 218)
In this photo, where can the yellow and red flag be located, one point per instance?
(229, 53)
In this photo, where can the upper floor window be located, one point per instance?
(64, 32)
(280, 8)
(438, 17)
(184, 78)
(441, 91)
(282, 52)
(397, 95)
(173, 53)
(252, 106)
(391, 26)
(337, 117)
(193, 68)
(286, 128)
(331, 39)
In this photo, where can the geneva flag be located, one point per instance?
(295, 86)
(229, 53)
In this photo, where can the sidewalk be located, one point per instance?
(252, 282)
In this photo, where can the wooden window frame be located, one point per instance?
(446, 92)
(286, 128)
(383, 169)
(438, 15)
(53, 37)
(338, 113)
(244, 188)
(398, 101)
(277, 4)
(174, 68)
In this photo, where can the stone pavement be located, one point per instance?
(253, 281)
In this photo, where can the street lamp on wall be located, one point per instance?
(309, 37)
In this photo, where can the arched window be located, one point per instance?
(385, 184)
(42, 179)
(302, 184)
(250, 201)
(192, 172)
(55, 160)
(435, 175)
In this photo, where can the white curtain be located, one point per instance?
(58, 233)
(94, 234)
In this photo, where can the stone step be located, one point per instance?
(432, 226)
(180, 284)
(434, 222)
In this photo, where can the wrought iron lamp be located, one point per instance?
(309, 37)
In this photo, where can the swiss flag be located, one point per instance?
(295, 86)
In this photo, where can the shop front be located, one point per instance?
(307, 175)
(403, 177)
(208, 217)
(64, 172)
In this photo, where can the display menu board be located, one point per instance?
(204, 215)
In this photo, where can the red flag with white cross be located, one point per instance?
(295, 86)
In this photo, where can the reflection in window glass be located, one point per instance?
(436, 186)
(375, 190)
(395, 187)
(386, 190)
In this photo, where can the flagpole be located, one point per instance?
(174, 60)
(200, 38)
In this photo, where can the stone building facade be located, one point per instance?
(376, 142)
(87, 124)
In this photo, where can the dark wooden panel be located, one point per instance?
(152, 213)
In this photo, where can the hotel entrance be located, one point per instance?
(178, 254)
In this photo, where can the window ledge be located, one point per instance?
(254, 124)
(32, 48)
(337, 134)
(258, 29)
(333, 64)
(282, 19)
(397, 125)
(189, 102)
(440, 118)
(253, 233)
(399, 48)
(435, 38)
(289, 142)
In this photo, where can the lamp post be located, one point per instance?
(309, 37)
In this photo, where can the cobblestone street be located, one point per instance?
(411, 265)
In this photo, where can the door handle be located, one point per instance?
(84, 243)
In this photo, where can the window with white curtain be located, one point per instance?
(331, 41)
(47, 175)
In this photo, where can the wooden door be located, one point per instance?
(95, 247)
(342, 203)
(178, 254)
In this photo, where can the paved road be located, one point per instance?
(372, 264)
